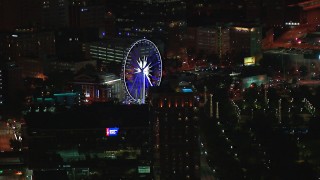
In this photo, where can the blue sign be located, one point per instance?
(187, 90)
(112, 131)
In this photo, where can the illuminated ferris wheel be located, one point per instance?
(142, 69)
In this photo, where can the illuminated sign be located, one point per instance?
(187, 90)
(143, 169)
(248, 61)
(112, 131)
(243, 29)
(258, 80)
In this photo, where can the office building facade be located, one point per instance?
(176, 134)
(1, 87)
(213, 40)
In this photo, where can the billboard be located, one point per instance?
(187, 90)
(249, 61)
(143, 169)
(258, 80)
(112, 131)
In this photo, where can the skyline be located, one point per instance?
(159, 89)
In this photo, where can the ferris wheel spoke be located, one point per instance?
(137, 71)
(149, 80)
(135, 62)
(134, 82)
(155, 64)
(154, 78)
(148, 65)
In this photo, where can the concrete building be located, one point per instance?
(109, 55)
(55, 14)
(31, 67)
(12, 86)
(155, 20)
(213, 40)
(238, 41)
(98, 87)
(176, 133)
(27, 42)
(245, 40)
(1, 87)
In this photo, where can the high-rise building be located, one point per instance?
(2, 66)
(92, 16)
(213, 40)
(73, 13)
(109, 54)
(155, 20)
(9, 15)
(55, 13)
(238, 41)
(31, 13)
(176, 130)
(245, 40)
(69, 42)
(148, 18)
(253, 10)
(273, 12)
(1, 87)
(13, 86)
(29, 42)
(204, 12)
(26, 42)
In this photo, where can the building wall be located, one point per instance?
(246, 41)
(92, 16)
(14, 83)
(176, 135)
(155, 20)
(99, 88)
(9, 14)
(1, 87)
(107, 54)
(35, 43)
(25, 42)
(30, 67)
(55, 13)
(213, 40)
